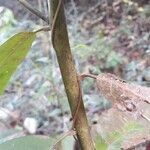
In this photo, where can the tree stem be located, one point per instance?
(61, 45)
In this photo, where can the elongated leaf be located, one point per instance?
(28, 143)
(12, 53)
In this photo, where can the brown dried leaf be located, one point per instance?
(133, 99)
(118, 91)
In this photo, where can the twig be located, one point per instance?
(90, 10)
(54, 19)
(33, 10)
(46, 28)
(40, 9)
(75, 115)
(68, 133)
(49, 8)
(83, 75)
(148, 119)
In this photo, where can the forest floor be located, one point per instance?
(111, 37)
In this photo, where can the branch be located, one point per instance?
(46, 28)
(84, 75)
(68, 133)
(33, 10)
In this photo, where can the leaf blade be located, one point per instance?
(29, 142)
(12, 53)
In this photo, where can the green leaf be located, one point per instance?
(5, 133)
(115, 139)
(100, 143)
(119, 137)
(12, 53)
(28, 143)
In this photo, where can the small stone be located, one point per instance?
(4, 113)
(30, 124)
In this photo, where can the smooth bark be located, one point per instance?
(69, 74)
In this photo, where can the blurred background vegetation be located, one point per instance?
(105, 36)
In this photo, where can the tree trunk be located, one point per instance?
(69, 74)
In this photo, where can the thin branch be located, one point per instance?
(83, 75)
(68, 133)
(55, 17)
(33, 10)
(46, 28)
(75, 115)
(49, 11)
